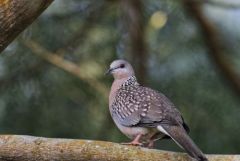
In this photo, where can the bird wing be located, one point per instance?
(142, 106)
(160, 110)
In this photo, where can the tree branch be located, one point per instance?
(67, 66)
(214, 44)
(29, 148)
(16, 15)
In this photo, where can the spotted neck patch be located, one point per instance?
(132, 81)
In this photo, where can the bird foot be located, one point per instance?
(133, 143)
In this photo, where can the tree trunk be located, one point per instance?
(16, 15)
(29, 148)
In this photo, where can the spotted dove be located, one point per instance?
(144, 114)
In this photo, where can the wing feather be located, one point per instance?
(142, 106)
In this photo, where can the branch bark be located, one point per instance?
(16, 15)
(29, 148)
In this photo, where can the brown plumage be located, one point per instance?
(144, 114)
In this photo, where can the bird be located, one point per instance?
(146, 115)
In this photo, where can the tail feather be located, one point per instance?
(179, 135)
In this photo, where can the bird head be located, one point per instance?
(120, 69)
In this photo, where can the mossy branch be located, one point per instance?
(29, 148)
(16, 15)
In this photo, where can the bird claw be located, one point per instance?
(133, 143)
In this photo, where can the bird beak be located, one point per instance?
(108, 71)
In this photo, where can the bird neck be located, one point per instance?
(121, 83)
(130, 81)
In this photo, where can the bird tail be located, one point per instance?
(179, 135)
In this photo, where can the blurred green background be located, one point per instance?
(47, 98)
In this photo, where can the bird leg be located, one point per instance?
(150, 144)
(135, 142)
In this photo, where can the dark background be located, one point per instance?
(52, 81)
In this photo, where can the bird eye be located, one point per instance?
(122, 66)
